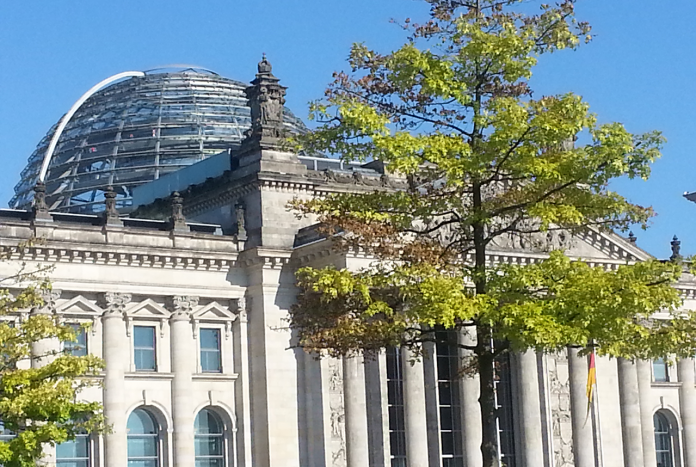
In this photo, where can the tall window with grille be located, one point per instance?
(448, 399)
(506, 418)
(664, 444)
(395, 402)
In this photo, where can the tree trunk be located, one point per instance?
(489, 427)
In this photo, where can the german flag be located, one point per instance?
(591, 382)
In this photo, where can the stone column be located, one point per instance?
(43, 352)
(244, 397)
(687, 403)
(183, 351)
(117, 359)
(646, 415)
(414, 411)
(630, 414)
(530, 409)
(471, 410)
(583, 443)
(356, 412)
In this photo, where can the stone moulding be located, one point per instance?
(162, 260)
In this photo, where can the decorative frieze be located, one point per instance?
(559, 397)
(337, 413)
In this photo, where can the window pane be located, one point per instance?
(79, 447)
(142, 463)
(210, 462)
(208, 445)
(72, 463)
(144, 348)
(79, 347)
(140, 422)
(660, 374)
(144, 359)
(144, 337)
(210, 339)
(142, 446)
(210, 350)
(207, 423)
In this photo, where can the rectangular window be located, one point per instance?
(78, 348)
(144, 348)
(660, 372)
(448, 376)
(73, 453)
(211, 361)
(395, 403)
(504, 404)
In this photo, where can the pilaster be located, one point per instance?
(687, 403)
(530, 409)
(183, 355)
(583, 443)
(116, 358)
(630, 413)
(414, 410)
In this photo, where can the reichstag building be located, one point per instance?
(162, 209)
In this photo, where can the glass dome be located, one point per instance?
(135, 131)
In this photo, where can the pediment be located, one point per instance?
(214, 312)
(593, 246)
(79, 306)
(148, 308)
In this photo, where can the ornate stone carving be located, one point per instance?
(183, 305)
(240, 214)
(241, 309)
(40, 208)
(337, 419)
(110, 213)
(562, 428)
(115, 303)
(177, 221)
(266, 98)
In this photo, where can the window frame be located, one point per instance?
(221, 365)
(68, 347)
(72, 460)
(160, 449)
(155, 344)
(669, 434)
(223, 436)
(665, 365)
(446, 361)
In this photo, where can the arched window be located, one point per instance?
(143, 440)
(664, 447)
(209, 433)
(74, 453)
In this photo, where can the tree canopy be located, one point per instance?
(40, 389)
(489, 166)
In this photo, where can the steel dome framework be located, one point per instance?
(135, 131)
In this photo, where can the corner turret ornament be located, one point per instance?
(177, 221)
(40, 208)
(266, 99)
(676, 247)
(110, 214)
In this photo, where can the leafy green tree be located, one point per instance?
(39, 389)
(488, 166)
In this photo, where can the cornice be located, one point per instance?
(105, 255)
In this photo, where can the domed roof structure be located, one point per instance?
(135, 131)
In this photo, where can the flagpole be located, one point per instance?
(597, 422)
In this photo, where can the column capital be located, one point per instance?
(115, 303)
(182, 307)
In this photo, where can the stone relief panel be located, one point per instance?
(337, 418)
(560, 410)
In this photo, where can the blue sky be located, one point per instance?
(638, 70)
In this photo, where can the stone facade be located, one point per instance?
(223, 259)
